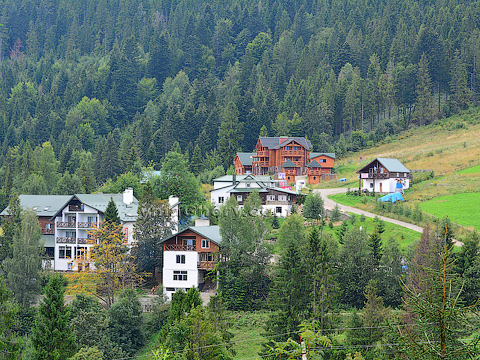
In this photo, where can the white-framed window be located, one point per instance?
(92, 219)
(180, 275)
(61, 252)
(205, 244)
(70, 234)
(282, 197)
(278, 210)
(68, 252)
(239, 198)
(371, 184)
(180, 259)
(48, 226)
(270, 197)
(221, 199)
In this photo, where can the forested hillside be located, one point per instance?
(111, 84)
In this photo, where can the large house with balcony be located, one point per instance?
(188, 257)
(273, 152)
(384, 175)
(68, 220)
(274, 199)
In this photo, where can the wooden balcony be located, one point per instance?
(46, 231)
(66, 240)
(261, 153)
(179, 247)
(65, 224)
(260, 163)
(292, 153)
(87, 225)
(206, 265)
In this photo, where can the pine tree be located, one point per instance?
(375, 243)
(11, 225)
(10, 344)
(111, 213)
(461, 94)
(23, 269)
(229, 135)
(423, 104)
(53, 338)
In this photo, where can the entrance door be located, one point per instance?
(381, 187)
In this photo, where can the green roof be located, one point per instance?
(229, 178)
(44, 205)
(100, 201)
(247, 190)
(314, 164)
(211, 233)
(246, 158)
(392, 165)
(283, 190)
(315, 154)
(289, 164)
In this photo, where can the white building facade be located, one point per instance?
(384, 175)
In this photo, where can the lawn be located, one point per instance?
(463, 209)
(248, 330)
(471, 170)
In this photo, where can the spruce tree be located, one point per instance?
(461, 94)
(375, 243)
(10, 344)
(10, 225)
(53, 338)
(111, 213)
(423, 104)
(229, 134)
(23, 269)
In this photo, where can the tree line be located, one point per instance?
(113, 86)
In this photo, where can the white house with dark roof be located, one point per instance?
(384, 175)
(188, 257)
(275, 199)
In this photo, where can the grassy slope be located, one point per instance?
(450, 147)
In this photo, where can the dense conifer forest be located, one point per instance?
(112, 85)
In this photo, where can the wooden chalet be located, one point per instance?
(243, 163)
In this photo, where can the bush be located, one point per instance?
(313, 207)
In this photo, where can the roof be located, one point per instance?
(314, 164)
(274, 142)
(392, 165)
(246, 158)
(44, 205)
(211, 233)
(100, 201)
(289, 164)
(246, 190)
(283, 190)
(317, 154)
(229, 178)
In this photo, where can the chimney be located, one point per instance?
(202, 222)
(172, 200)
(128, 196)
(234, 178)
(282, 139)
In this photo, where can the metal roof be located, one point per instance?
(247, 190)
(283, 190)
(246, 158)
(392, 165)
(44, 205)
(314, 164)
(211, 233)
(317, 154)
(100, 201)
(274, 142)
(289, 164)
(229, 178)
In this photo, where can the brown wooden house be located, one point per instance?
(290, 170)
(243, 163)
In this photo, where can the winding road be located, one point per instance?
(330, 204)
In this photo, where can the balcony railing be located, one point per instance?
(74, 208)
(207, 265)
(46, 231)
(292, 152)
(86, 225)
(84, 240)
(260, 163)
(262, 153)
(66, 240)
(179, 247)
(65, 224)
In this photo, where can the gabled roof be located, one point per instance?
(44, 205)
(229, 178)
(274, 142)
(246, 158)
(392, 165)
(289, 164)
(283, 190)
(211, 233)
(314, 164)
(99, 202)
(317, 154)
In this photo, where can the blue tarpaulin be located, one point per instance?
(391, 197)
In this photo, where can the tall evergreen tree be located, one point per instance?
(423, 104)
(230, 134)
(461, 94)
(53, 338)
(111, 213)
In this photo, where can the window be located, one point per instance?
(48, 226)
(205, 244)
(248, 185)
(50, 251)
(92, 219)
(295, 159)
(180, 275)
(371, 184)
(270, 197)
(170, 289)
(192, 242)
(70, 234)
(221, 199)
(278, 210)
(71, 218)
(61, 252)
(81, 253)
(239, 198)
(180, 259)
(314, 178)
(68, 252)
(287, 147)
(296, 148)
(282, 197)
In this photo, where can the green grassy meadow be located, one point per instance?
(462, 209)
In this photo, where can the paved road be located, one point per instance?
(330, 204)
